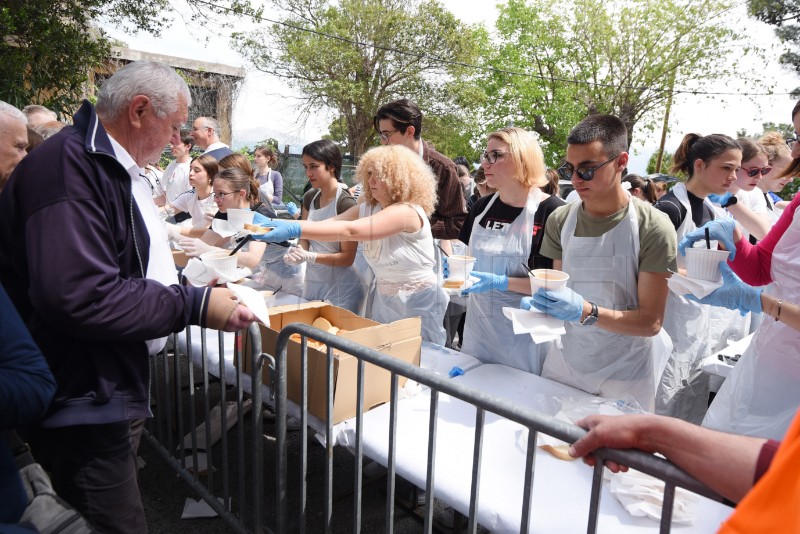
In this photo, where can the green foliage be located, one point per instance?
(786, 130)
(581, 57)
(784, 15)
(354, 79)
(665, 163)
(48, 48)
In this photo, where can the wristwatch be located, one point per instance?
(730, 202)
(590, 319)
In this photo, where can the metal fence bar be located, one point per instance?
(359, 446)
(527, 488)
(477, 456)
(207, 418)
(239, 359)
(223, 396)
(433, 417)
(256, 362)
(536, 422)
(329, 444)
(167, 401)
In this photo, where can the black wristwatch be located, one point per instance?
(730, 202)
(590, 319)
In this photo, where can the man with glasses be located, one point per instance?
(618, 252)
(205, 132)
(400, 123)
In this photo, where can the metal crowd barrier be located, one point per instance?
(183, 401)
(535, 422)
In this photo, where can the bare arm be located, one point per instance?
(347, 226)
(724, 462)
(785, 312)
(756, 223)
(646, 320)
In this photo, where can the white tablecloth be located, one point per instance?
(714, 366)
(561, 489)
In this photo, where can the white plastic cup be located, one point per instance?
(220, 261)
(549, 279)
(703, 263)
(237, 218)
(460, 267)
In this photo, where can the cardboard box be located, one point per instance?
(400, 339)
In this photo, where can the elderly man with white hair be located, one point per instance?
(85, 259)
(205, 132)
(38, 115)
(13, 140)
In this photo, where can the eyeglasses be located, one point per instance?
(490, 157)
(387, 134)
(567, 169)
(221, 196)
(752, 173)
(791, 142)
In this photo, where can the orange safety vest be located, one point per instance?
(773, 505)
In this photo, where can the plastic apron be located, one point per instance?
(762, 394)
(488, 335)
(684, 387)
(405, 282)
(341, 286)
(605, 270)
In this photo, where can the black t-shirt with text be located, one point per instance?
(500, 215)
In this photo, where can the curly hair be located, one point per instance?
(406, 176)
(775, 146)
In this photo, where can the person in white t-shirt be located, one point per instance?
(176, 176)
(197, 202)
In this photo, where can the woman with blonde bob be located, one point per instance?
(504, 233)
(399, 196)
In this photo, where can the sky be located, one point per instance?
(275, 112)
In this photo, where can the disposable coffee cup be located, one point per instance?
(237, 218)
(220, 261)
(549, 279)
(460, 267)
(703, 263)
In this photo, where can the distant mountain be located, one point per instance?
(250, 136)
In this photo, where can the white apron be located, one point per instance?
(762, 394)
(405, 282)
(605, 270)
(341, 286)
(488, 335)
(684, 387)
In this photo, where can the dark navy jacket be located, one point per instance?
(73, 246)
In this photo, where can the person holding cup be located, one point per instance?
(709, 164)
(233, 189)
(504, 232)
(762, 393)
(618, 252)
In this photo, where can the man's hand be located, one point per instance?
(240, 319)
(562, 303)
(616, 432)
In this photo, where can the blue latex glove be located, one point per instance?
(562, 303)
(445, 267)
(719, 230)
(734, 294)
(487, 282)
(719, 199)
(292, 208)
(283, 231)
(526, 303)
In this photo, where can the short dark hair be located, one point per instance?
(328, 153)
(403, 113)
(608, 129)
(186, 138)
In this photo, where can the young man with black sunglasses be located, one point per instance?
(618, 252)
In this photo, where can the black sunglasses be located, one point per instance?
(763, 171)
(790, 142)
(567, 169)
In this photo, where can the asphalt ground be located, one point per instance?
(164, 493)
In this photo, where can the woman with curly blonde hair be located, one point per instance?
(780, 159)
(399, 194)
